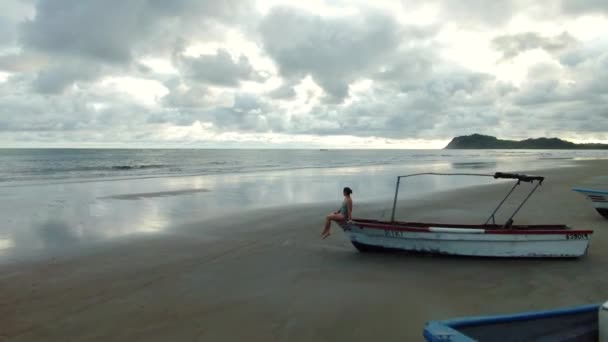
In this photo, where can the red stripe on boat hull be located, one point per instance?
(487, 231)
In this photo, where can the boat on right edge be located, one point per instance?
(599, 199)
(580, 323)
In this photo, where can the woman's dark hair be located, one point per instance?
(347, 190)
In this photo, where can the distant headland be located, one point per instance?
(479, 141)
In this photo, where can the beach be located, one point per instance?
(263, 274)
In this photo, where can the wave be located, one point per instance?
(139, 167)
(59, 169)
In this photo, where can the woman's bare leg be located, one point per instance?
(325, 232)
(328, 219)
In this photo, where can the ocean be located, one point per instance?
(23, 166)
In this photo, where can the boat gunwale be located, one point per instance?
(581, 190)
(434, 330)
(419, 227)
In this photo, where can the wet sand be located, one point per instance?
(266, 276)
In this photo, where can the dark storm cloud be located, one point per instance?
(512, 45)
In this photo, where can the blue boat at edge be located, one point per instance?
(579, 323)
(598, 198)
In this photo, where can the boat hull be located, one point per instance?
(568, 324)
(469, 241)
(599, 199)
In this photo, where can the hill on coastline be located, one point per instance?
(479, 141)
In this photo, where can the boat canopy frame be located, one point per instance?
(498, 175)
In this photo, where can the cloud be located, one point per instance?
(190, 98)
(334, 51)
(57, 78)
(575, 7)
(480, 11)
(219, 69)
(408, 63)
(283, 92)
(90, 29)
(87, 71)
(513, 45)
(116, 33)
(16, 62)
(11, 13)
(81, 37)
(244, 113)
(7, 33)
(92, 109)
(248, 114)
(584, 52)
(389, 110)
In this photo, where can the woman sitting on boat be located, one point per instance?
(345, 213)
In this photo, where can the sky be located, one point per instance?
(300, 74)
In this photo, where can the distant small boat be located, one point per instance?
(599, 199)
(323, 149)
(581, 323)
(480, 240)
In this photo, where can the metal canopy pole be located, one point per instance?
(395, 200)
(499, 205)
(510, 220)
(428, 173)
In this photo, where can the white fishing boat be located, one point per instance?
(481, 240)
(599, 199)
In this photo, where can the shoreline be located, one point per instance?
(268, 271)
